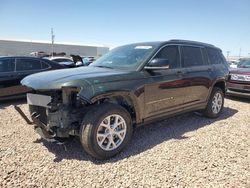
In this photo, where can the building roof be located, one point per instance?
(56, 43)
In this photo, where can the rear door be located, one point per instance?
(198, 75)
(27, 66)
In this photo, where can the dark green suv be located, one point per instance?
(130, 86)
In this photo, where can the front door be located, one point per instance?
(8, 77)
(166, 90)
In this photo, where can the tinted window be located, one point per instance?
(191, 56)
(7, 65)
(214, 56)
(172, 54)
(28, 64)
(62, 60)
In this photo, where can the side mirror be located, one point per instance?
(157, 64)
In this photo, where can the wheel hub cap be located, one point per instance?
(111, 132)
(217, 103)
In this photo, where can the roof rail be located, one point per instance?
(190, 42)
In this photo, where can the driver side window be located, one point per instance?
(172, 54)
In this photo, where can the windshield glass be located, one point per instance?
(244, 64)
(127, 57)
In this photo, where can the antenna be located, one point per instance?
(52, 41)
(240, 53)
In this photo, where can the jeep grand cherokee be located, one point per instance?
(130, 86)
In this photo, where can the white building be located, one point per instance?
(25, 47)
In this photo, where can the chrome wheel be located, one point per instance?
(217, 103)
(111, 132)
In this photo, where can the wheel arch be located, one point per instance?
(220, 84)
(123, 98)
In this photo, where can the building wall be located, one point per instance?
(8, 48)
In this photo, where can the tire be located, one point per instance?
(96, 123)
(210, 111)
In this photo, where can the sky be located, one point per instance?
(224, 23)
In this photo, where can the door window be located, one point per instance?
(214, 56)
(28, 64)
(7, 65)
(45, 65)
(191, 56)
(172, 54)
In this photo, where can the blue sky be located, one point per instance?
(224, 23)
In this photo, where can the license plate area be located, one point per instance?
(39, 100)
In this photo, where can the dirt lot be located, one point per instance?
(188, 150)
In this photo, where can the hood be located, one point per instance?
(245, 71)
(75, 77)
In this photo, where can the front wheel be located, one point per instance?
(215, 104)
(106, 130)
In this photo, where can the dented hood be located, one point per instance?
(75, 77)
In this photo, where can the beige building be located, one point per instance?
(25, 47)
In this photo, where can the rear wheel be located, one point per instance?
(106, 130)
(215, 104)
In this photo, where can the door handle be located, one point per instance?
(180, 73)
(209, 69)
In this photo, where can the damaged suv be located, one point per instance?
(130, 86)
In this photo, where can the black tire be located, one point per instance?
(208, 112)
(89, 128)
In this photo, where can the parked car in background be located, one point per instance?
(63, 60)
(232, 64)
(239, 80)
(88, 60)
(130, 86)
(14, 69)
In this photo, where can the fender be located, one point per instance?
(221, 79)
(133, 98)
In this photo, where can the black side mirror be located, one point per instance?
(157, 64)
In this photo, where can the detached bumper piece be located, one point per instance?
(43, 130)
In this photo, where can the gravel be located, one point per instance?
(184, 151)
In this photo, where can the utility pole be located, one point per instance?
(228, 52)
(239, 53)
(52, 42)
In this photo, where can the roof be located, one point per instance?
(176, 41)
(190, 42)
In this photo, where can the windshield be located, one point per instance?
(244, 64)
(127, 57)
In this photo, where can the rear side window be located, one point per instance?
(28, 64)
(215, 56)
(191, 56)
(172, 54)
(45, 65)
(7, 65)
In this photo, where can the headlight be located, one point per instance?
(240, 77)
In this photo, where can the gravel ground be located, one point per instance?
(185, 151)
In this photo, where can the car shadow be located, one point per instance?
(144, 138)
(6, 103)
(239, 99)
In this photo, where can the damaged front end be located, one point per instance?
(55, 114)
